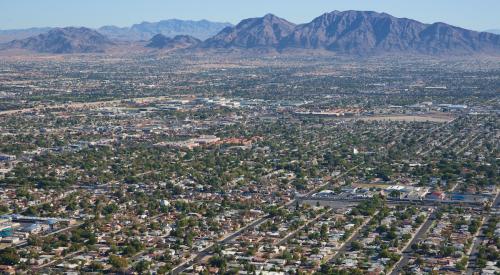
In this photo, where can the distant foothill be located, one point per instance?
(358, 33)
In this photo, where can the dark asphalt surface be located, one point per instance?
(408, 251)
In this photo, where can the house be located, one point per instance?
(270, 273)
(32, 228)
(164, 203)
(213, 270)
(279, 262)
(7, 269)
(436, 196)
(490, 268)
(12, 240)
(7, 158)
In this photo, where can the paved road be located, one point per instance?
(471, 267)
(307, 197)
(343, 248)
(57, 261)
(292, 234)
(425, 202)
(81, 105)
(408, 251)
(207, 251)
(25, 243)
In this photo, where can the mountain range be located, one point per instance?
(64, 40)
(261, 32)
(361, 32)
(347, 33)
(201, 29)
(9, 35)
(161, 41)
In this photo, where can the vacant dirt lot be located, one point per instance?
(420, 118)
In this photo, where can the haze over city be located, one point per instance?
(249, 137)
(480, 15)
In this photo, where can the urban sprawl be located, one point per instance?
(271, 165)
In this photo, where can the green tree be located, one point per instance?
(9, 256)
(142, 266)
(118, 263)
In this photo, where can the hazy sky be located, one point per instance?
(473, 14)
